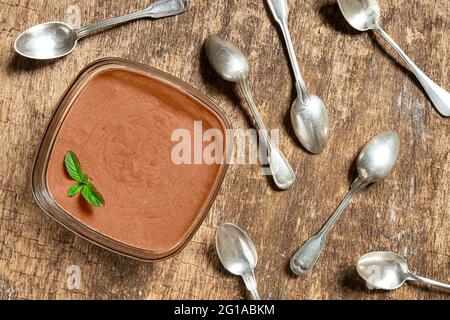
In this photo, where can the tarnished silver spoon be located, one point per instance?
(364, 15)
(374, 163)
(389, 271)
(238, 255)
(231, 65)
(53, 40)
(309, 115)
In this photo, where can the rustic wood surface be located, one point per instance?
(367, 90)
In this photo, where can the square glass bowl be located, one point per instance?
(88, 224)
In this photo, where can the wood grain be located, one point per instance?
(367, 90)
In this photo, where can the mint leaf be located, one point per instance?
(75, 189)
(92, 196)
(73, 167)
(84, 184)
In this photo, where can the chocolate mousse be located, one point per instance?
(120, 125)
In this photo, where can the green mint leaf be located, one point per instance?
(92, 196)
(73, 167)
(84, 184)
(75, 189)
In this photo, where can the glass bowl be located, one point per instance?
(40, 186)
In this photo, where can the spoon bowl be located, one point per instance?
(362, 15)
(378, 157)
(310, 123)
(383, 270)
(236, 250)
(47, 41)
(226, 59)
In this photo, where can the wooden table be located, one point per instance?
(367, 90)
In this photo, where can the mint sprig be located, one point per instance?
(84, 184)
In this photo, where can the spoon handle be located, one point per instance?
(159, 9)
(281, 170)
(305, 258)
(244, 88)
(439, 97)
(430, 282)
(280, 11)
(250, 283)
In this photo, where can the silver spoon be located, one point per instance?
(309, 116)
(374, 163)
(238, 255)
(389, 271)
(57, 39)
(232, 65)
(364, 15)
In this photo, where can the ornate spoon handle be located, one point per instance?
(305, 258)
(250, 283)
(281, 170)
(280, 12)
(159, 9)
(439, 97)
